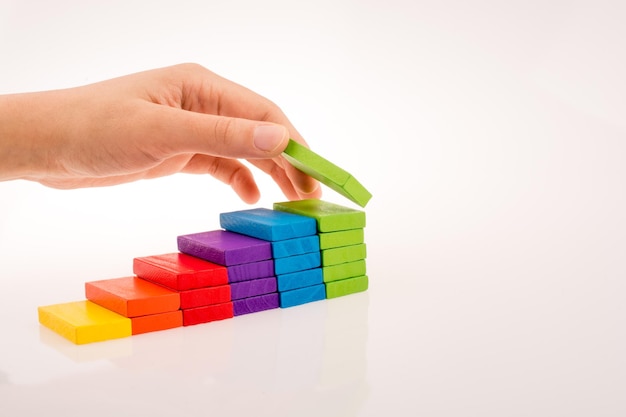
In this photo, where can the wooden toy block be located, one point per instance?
(330, 217)
(326, 172)
(344, 254)
(299, 279)
(246, 289)
(298, 246)
(268, 224)
(296, 263)
(156, 322)
(84, 322)
(179, 271)
(207, 314)
(342, 238)
(344, 270)
(346, 286)
(255, 304)
(302, 295)
(225, 248)
(252, 270)
(132, 296)
(199, 297)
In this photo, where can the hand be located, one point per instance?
(146, 125)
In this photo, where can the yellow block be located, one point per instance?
(84, 322)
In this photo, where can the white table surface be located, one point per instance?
(492, 135)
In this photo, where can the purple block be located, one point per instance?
(225, 248)
(254, 304)
(245, 289)
(252, 270)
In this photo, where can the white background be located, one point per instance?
(492, 135)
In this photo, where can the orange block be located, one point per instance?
(132, 296)
(155, 322)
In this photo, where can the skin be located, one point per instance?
(150, 124)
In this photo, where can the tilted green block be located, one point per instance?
(346, 286)
(344, 254)
(341, 238)
(330, 217)
(326, 172)
(343, 271)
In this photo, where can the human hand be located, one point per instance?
(182, 118)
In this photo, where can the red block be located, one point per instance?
(180, 271)
(204, 296)
(155, 322)
(206, 314)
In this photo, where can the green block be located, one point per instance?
(344, 254)
(341, 238)
(346, 286)
(343, 271)
(330, 217)
(326, 172)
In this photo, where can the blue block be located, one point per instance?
(302, 295)
(300, 279)
(268, 224)
(297, 246)
(297, 263)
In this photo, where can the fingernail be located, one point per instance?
(268, 137)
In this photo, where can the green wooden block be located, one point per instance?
(341, 238)
(344, 254)
(326, 172)
(343, 271)
(346, 286)
(330, 217)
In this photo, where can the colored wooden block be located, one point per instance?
(296, 263)
(326, 172)
(268, 224)
(298, 246)
(199, 297)
(84, 322)
(344, 270)
(330, 217)
(252, 270)
(342, 238)
(299, 279)
(207, 314)
(344, 254)
(302, 295)
(224, 247)
(132, 296)
(156, 322)
(255, 304)
(346, 286)
(246, 289)
(180, 271)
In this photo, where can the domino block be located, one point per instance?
(252, 288)
(252, 270)
(342, 238)
(84, 322)
(346, 286)
(206, 314)
(132, 296)
(297, 246)
(199, 297)
(268, 224)
(326, 172)
(302, 295)
(330, 217)
(224, 247)
(255, 304)
(299, 279)
(344, 254)
(157, 322)
(179, 271)
(344, 270)
(296, 263)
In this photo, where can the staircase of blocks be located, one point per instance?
(298, 252)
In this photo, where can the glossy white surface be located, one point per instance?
(492, 135)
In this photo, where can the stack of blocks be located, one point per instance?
(299, 252)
